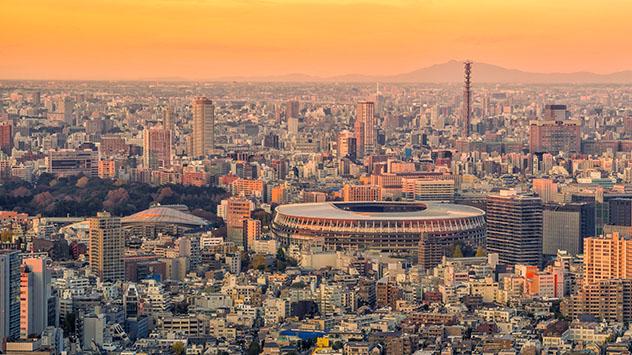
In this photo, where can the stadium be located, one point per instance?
(393, 227)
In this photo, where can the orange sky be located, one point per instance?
(202, 39)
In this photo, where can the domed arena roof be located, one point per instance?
(164, 215)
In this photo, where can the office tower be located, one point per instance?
(365, 129)
(554, 133)
(168, 120)
(466, 119)
(347, 146)
(64, 108)
(514, 227)
(565, 226)
(620, 212)
(252, 232)
(67, 162)
(292, 126)
(292, 110)
(156, 148)
(106, 247)
(627, 125)
(203, 126)
(554, 112)
(607, 257)
(6, 137)
(9, 295)
(34, 295)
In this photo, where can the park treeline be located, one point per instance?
(79, 196)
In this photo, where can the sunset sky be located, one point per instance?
(204, 39)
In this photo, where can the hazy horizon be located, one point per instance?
(204, 39)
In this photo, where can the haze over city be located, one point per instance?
(206, 39)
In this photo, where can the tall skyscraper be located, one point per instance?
(365, 128)
(168, 120)
(106, 247)
(9, 295)
(34, 295)
(156, 148)
(203, 126)
(514, 227)
(467, 100)
(292, 110)
(6, 137)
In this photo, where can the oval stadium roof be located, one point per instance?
(164, 215)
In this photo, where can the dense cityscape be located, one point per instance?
(320, 218)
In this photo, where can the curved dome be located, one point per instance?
(164, 215)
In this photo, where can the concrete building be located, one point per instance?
(9, 295)
(67, 162)
(203, 126)
(106, 247)
(365, 128)
(156, 148)
(514, 227)
(34, 294)
(607, 257)
(351, 193)
(565, 226)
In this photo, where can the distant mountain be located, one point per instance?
(452, 72)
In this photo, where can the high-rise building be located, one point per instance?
(6, 137)
(156, 148)
(203, 126)
(9, 295)
(514, 227)
(365, 129)
(607, 257)
(347, 146)
(554, 136)
(252, 232)
(168, 120)
(34, 295)
(565, 226)
(292, 126)
(620, 212)
(466, 119)
(234, 211)
(292, 109)
(106, 247)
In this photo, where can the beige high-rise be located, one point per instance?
(203, 126)
(608, 257)
(365, 128)
(107, 246)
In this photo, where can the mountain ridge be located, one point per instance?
(452, 72)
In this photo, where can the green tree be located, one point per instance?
(480, 251)
(178, 348)
(254, 348)
(458, 253)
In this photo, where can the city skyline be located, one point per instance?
(202, 40)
